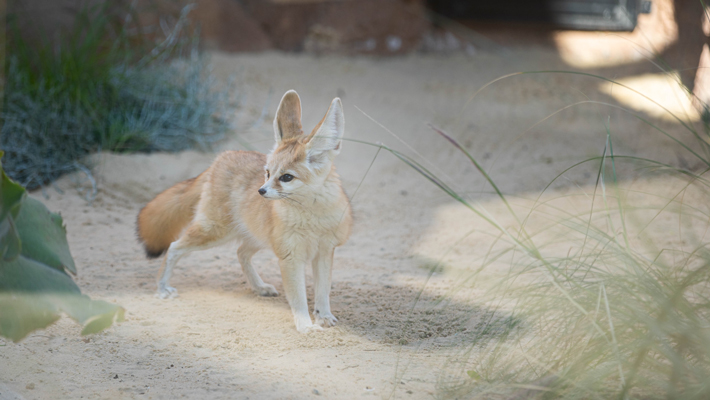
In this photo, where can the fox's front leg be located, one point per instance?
(322, 274)
(294, 281)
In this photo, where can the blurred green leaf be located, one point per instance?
(44, 238)
(33, 295)
(34, 286)
(24, 275)
(10, 243)
(105, 315)
(20, 315)
(11, 194)
(27, 289)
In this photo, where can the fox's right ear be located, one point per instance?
(326, 138)
(287, 122)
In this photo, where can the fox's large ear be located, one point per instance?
(326, 137)
(287, 122)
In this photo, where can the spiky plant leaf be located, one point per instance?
(33, 295)
(34, 286)
(43, 236)
(11, 195)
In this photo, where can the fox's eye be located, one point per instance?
(286, 178)
(268, 175)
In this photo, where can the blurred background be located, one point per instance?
(528, 178)
(672, 30)
(117, 43)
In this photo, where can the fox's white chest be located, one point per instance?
(313, 223)
(303, 232)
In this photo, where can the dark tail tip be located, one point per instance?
(150, 253)
(154, 253)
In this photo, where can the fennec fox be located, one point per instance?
(290, 201)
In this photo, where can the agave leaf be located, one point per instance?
(104, 315)
(20, 315)
(33, 295)
(26, 291)
(11, 194)
(10, 243)
(24, 275)
(44, 238)
(34, 254)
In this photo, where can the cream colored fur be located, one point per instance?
(247, 197)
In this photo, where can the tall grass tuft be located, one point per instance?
(102, 89)
(611, 286)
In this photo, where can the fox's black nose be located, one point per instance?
(262, 191)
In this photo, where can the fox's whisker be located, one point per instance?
(293, 194)
(290, 199)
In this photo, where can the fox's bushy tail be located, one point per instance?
(162, 220)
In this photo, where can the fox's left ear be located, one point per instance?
(287, 123)
(327, 135)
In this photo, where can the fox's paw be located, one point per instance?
(326, 320)
(305, 326)
(310, 329)
(266, 290)
(166, 292)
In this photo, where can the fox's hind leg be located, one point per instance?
(194, 238)
(166, 270)
(245, 252)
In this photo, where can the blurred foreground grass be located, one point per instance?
(613, 292)
(610, 285)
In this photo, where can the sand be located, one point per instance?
(218, 340)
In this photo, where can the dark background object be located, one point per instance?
(608, 15)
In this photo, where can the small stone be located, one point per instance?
(316, 392)
(30, 386)
(115, 376)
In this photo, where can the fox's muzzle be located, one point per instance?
(262, 191)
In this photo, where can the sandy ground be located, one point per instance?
(217, 340)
